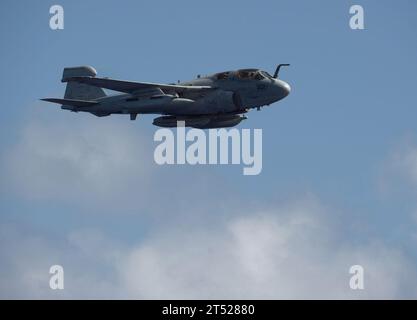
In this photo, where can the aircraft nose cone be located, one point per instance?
(286, 88)
(283, 87)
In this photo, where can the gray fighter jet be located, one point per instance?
(213, 101)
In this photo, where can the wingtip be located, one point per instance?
(51, 100)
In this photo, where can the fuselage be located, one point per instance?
(213, 101)
(254, 87)
(230, 92)
(234, 92)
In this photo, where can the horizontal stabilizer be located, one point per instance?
(71, 102)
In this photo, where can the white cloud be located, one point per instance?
(84, 160)
(399, 170)
(290, 251)
(26, 257)
(98, 165)
(400, 174)
(406, 161)
(285, 253)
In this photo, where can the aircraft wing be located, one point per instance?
(131, 87)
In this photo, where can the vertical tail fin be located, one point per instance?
(81, 91)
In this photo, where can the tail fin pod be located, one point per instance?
(81, 91)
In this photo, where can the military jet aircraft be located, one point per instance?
(214, 101)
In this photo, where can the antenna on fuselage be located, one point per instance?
(279, 67)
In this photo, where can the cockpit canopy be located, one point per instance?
(244, 74)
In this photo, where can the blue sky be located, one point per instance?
(340, 149)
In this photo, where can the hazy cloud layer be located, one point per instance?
(52, 159)
(287, 252)
(282, 250)
(101, 165)
(399, 170)
(404, 161)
